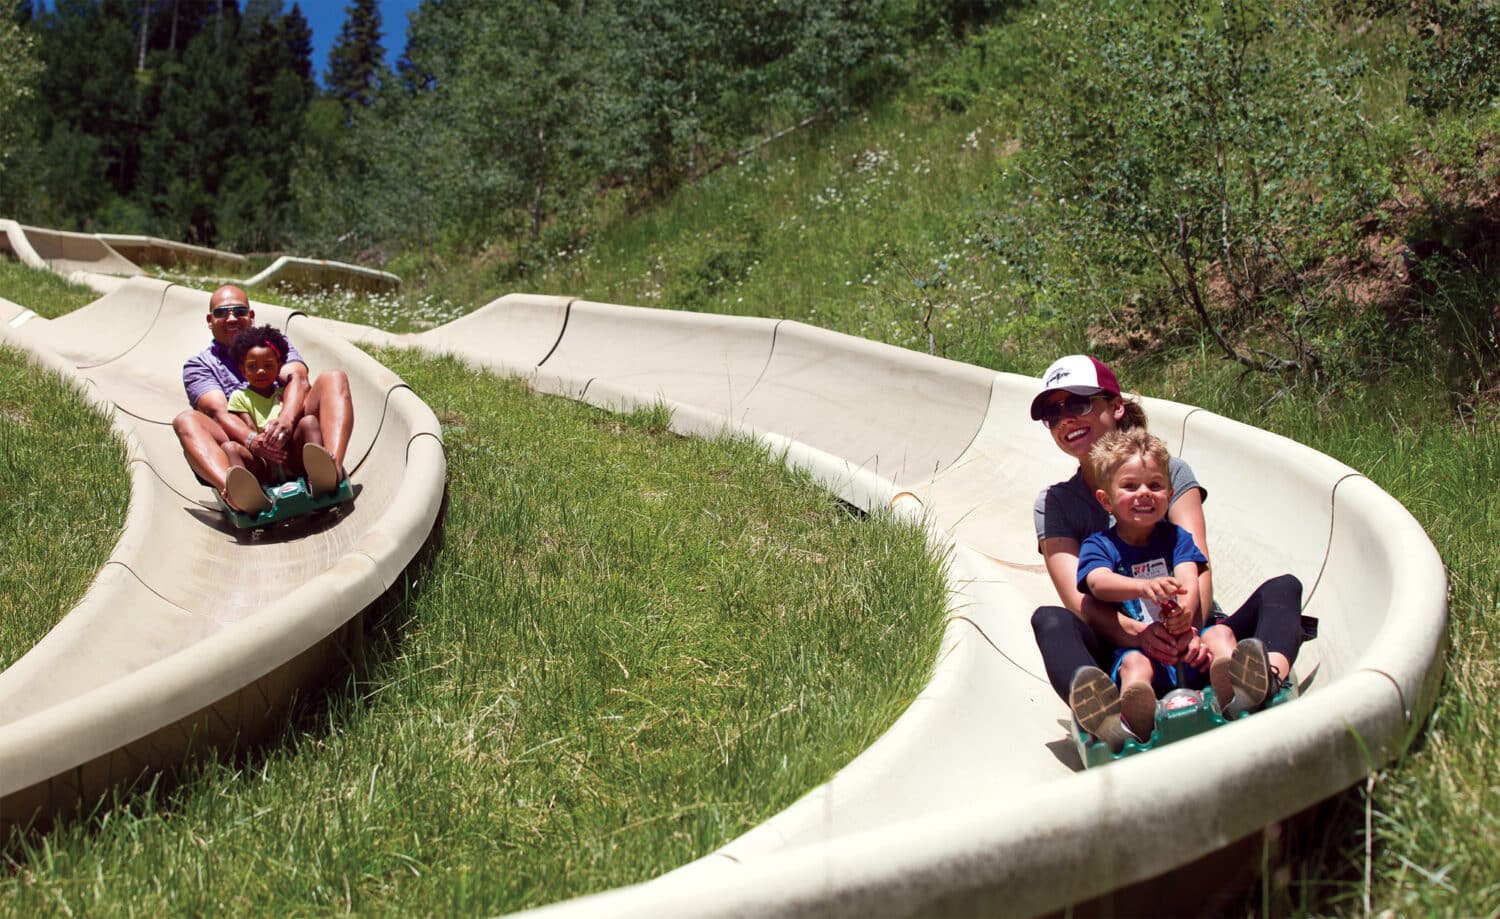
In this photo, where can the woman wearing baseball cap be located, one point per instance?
(1079, 402)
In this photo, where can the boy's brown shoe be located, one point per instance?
(1138, 710)
(1095, 701)
(1218, 678)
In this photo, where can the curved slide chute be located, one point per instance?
(98, 259)
(975, 801)
(150, 250)
(192, 636)
(63, 252)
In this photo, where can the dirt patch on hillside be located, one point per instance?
(1422, 261)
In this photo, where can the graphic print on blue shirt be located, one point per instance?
(1169, 546)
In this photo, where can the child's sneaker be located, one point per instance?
(1095, 701)
(244, 491)
(1138, 710)
(1250, 675)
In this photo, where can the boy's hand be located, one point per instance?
(1159, 590)
(1175, 617)
(1197, 655)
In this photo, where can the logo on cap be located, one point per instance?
(1056, 375)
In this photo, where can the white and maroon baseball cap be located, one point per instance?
(1076, 373)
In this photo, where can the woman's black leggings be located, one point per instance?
(1273, 613)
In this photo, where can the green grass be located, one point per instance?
(42, 292)
(63, 495)
(817, 231)
(624, 649)
(859, 227)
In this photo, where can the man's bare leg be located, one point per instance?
(203, 443)
(330, 401)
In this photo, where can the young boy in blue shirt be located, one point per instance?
(1150, 567)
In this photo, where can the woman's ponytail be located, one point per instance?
(1135, 415)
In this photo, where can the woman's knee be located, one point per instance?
(1050, 620)
(1284, 585)
(1218, 636)
(1044, 618)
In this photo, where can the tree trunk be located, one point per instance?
(140, 60)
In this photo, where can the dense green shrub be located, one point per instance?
(1197, 157)
(1455, 54)
(17, 79)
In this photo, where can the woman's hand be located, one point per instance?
(1161, 645)
(1198, 656)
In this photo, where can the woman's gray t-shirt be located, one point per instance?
(1070, 510)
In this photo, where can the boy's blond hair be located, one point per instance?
(1111, 451)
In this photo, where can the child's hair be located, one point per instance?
(1111, 451)
(257, 337)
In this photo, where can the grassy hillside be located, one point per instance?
(621, 649)
(956, 217)
(926, 223)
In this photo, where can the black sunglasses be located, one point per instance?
(1074, 406)
(240, 312)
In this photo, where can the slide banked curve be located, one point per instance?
(191, 634)
(99, 260)
(974, 799)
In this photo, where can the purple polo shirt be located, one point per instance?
(210, 370)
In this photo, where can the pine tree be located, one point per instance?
(297, 35)
(88, 115)
(357, 57)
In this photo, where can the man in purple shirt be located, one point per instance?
(210, 380)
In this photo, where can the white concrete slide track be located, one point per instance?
(90, 258)
(193, 635)
(63, 252)
(150, 250)
(974, 801)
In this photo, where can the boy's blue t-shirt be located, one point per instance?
(1169, 546)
